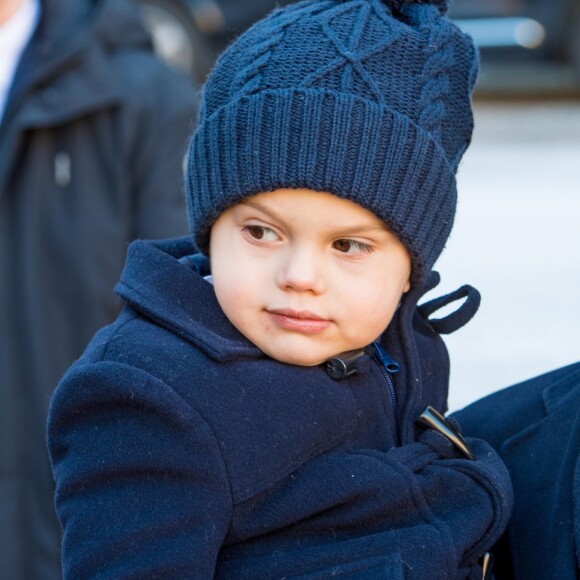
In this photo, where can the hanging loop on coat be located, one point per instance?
(457, 319)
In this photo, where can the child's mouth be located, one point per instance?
(298, 320)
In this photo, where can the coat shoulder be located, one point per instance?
(503, 414)
(244, 401)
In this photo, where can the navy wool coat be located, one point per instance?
(535, 427)
(180, 450)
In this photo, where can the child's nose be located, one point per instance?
(302, 271)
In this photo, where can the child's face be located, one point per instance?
(306, 275)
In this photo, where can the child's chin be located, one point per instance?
(298, 359)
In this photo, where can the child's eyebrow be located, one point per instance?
(342, 231)
(364, 229)
(263, 209)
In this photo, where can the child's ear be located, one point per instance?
(407, 287)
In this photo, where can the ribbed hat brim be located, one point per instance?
(325, 141)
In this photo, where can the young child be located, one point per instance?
(242, 418)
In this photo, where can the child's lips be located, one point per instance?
(299, 320)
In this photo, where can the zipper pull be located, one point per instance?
(390, 365)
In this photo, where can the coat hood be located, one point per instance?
(160, 277)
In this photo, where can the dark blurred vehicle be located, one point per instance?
(527, 46)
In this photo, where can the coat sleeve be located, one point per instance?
(159, 118)
(141, 487)
(433, 511)
(473, 497)
(469, 500)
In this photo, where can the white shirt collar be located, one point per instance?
(14, 36)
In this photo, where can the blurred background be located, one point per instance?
(517, 231)
(526, 45)
(517, 239)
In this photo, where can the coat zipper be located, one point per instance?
(388, 367)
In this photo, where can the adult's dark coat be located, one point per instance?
(180, 450)
(91, 149)
(535, 427)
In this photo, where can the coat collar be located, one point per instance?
(68, 57)
(174, 295)
(560, 394)
(65, 73)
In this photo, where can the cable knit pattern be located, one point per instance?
(248, 79)
(439, 60)
(365, 99)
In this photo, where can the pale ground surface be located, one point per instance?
(517, 239)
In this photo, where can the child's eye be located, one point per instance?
(261, 233)
(352, 247)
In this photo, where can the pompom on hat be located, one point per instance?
(368, 100)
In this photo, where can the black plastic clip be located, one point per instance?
(434, 420)
(343, 365)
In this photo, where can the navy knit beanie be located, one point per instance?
(365, 99)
